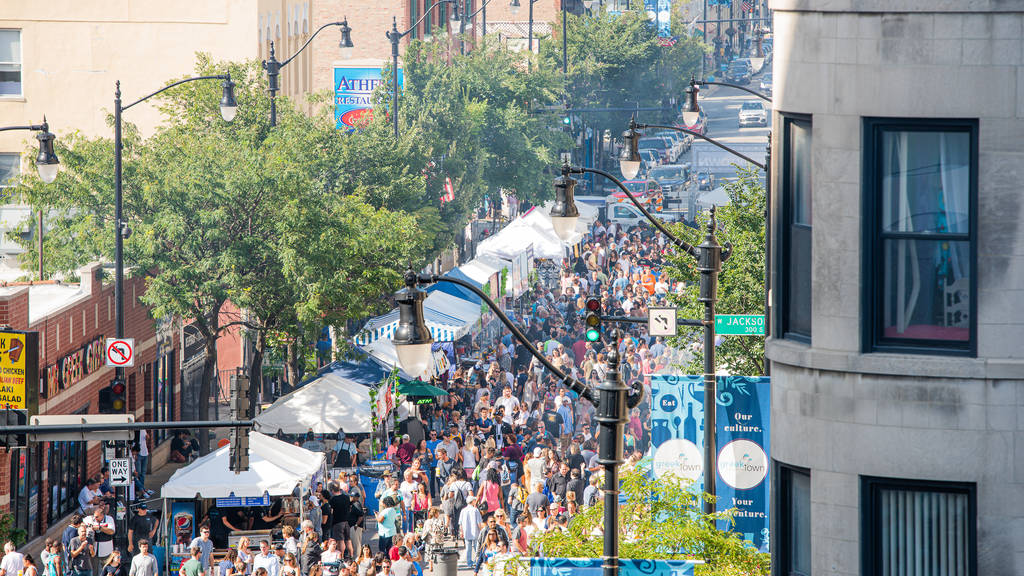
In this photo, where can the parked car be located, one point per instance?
(650, 156)
(680, 141)
(661, 146)
(705, 180)
(766, 84)
(738, 72)
(753, 113)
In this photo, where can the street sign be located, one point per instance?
(119, 472)
(120, 352)
(72, 419)
(739, 324)
(661, 321)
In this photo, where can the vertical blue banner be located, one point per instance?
(664, 20)
(353, 93)
(677, 442)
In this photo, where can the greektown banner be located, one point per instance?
(677, 442)
(353, 93)
(592, 567)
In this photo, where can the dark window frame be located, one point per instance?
(870, 490)
(784, 244)
(872, 261)
(782, 517)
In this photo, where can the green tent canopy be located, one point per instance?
(417, 388)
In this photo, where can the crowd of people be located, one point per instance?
(511, 452)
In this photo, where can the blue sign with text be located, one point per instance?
(677, 442)
(353, 94)
(236, 502)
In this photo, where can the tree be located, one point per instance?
(741, 282)
(660, 519)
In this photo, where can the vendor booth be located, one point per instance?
(326, 404)
(278, 475)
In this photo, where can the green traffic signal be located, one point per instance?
(593, 335)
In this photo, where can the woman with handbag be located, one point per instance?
(489, 496)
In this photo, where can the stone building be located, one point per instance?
(896, 285)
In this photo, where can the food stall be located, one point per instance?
(279, 475)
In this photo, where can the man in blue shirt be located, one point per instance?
(565, 411)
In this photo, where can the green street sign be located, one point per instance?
(739, 324)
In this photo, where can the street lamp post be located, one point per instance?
(465, 21)
(413, 342)
(228, 108)
(709, 256)
(273, 67)
(46, 165)
(514, 8)
(395, 36)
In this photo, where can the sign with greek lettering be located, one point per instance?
(677, 442)
(353, 94)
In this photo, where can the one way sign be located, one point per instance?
(120, 475)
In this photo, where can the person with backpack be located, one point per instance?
(517, 495)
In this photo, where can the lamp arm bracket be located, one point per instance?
(679, 242)
(737, 86)
(705, 138)
(310, 39)
(726, 251)
(482, 7)
(577, 386)
(33, 127)
(179, 82)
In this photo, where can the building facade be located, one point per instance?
(896, 287)
(39, 484)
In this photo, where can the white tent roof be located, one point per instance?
(531, 229)
(483, 267)
(325, 404)
(275, 468)
(448, 318)
(716, 197)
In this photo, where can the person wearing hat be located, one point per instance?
(141, 527)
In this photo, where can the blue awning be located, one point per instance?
(455, 289)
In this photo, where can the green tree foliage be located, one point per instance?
(615, 61)
(660, 519)
(741, 283)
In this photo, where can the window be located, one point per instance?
(10, 169)
(414, 15)
(920, 184)
(793, 296)
(10, 63)
(67, 469)
(918, 528)
(794, 521)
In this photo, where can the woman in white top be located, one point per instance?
(469, 456)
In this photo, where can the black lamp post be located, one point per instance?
(46, 165)
(228, 108)
(709, 256)
(395, 36)
(273, 67)
(412, 343)
(514, 8)
(465, 20)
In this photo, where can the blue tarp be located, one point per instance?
(366, 372)
(455, 289)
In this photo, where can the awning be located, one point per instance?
(330, 401)
(275, 468)
(448, 317)
(481, 268)
(456, 290)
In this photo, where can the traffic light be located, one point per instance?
(239, 437)
(111, 398)
(593, 320)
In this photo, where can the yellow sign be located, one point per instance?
(13, 354)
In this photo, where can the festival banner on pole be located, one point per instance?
(677, 442)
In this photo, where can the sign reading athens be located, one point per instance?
(19, 366)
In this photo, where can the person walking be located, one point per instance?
(194, 566)
(470, 521)
(81, 549)
(386, 520)
(13, 562)
(266, 561)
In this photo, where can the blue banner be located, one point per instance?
(353, 94)
(627, 567)
(243, 502)
(677, 442)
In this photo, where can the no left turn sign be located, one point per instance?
(120, 352)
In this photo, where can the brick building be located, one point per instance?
(39, 485)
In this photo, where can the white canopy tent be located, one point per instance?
(483, 267)
(531, 229)
(448, 318)
(275, 468)
(324, 405)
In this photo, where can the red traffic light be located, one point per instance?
(117, 388)
(593, 304)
